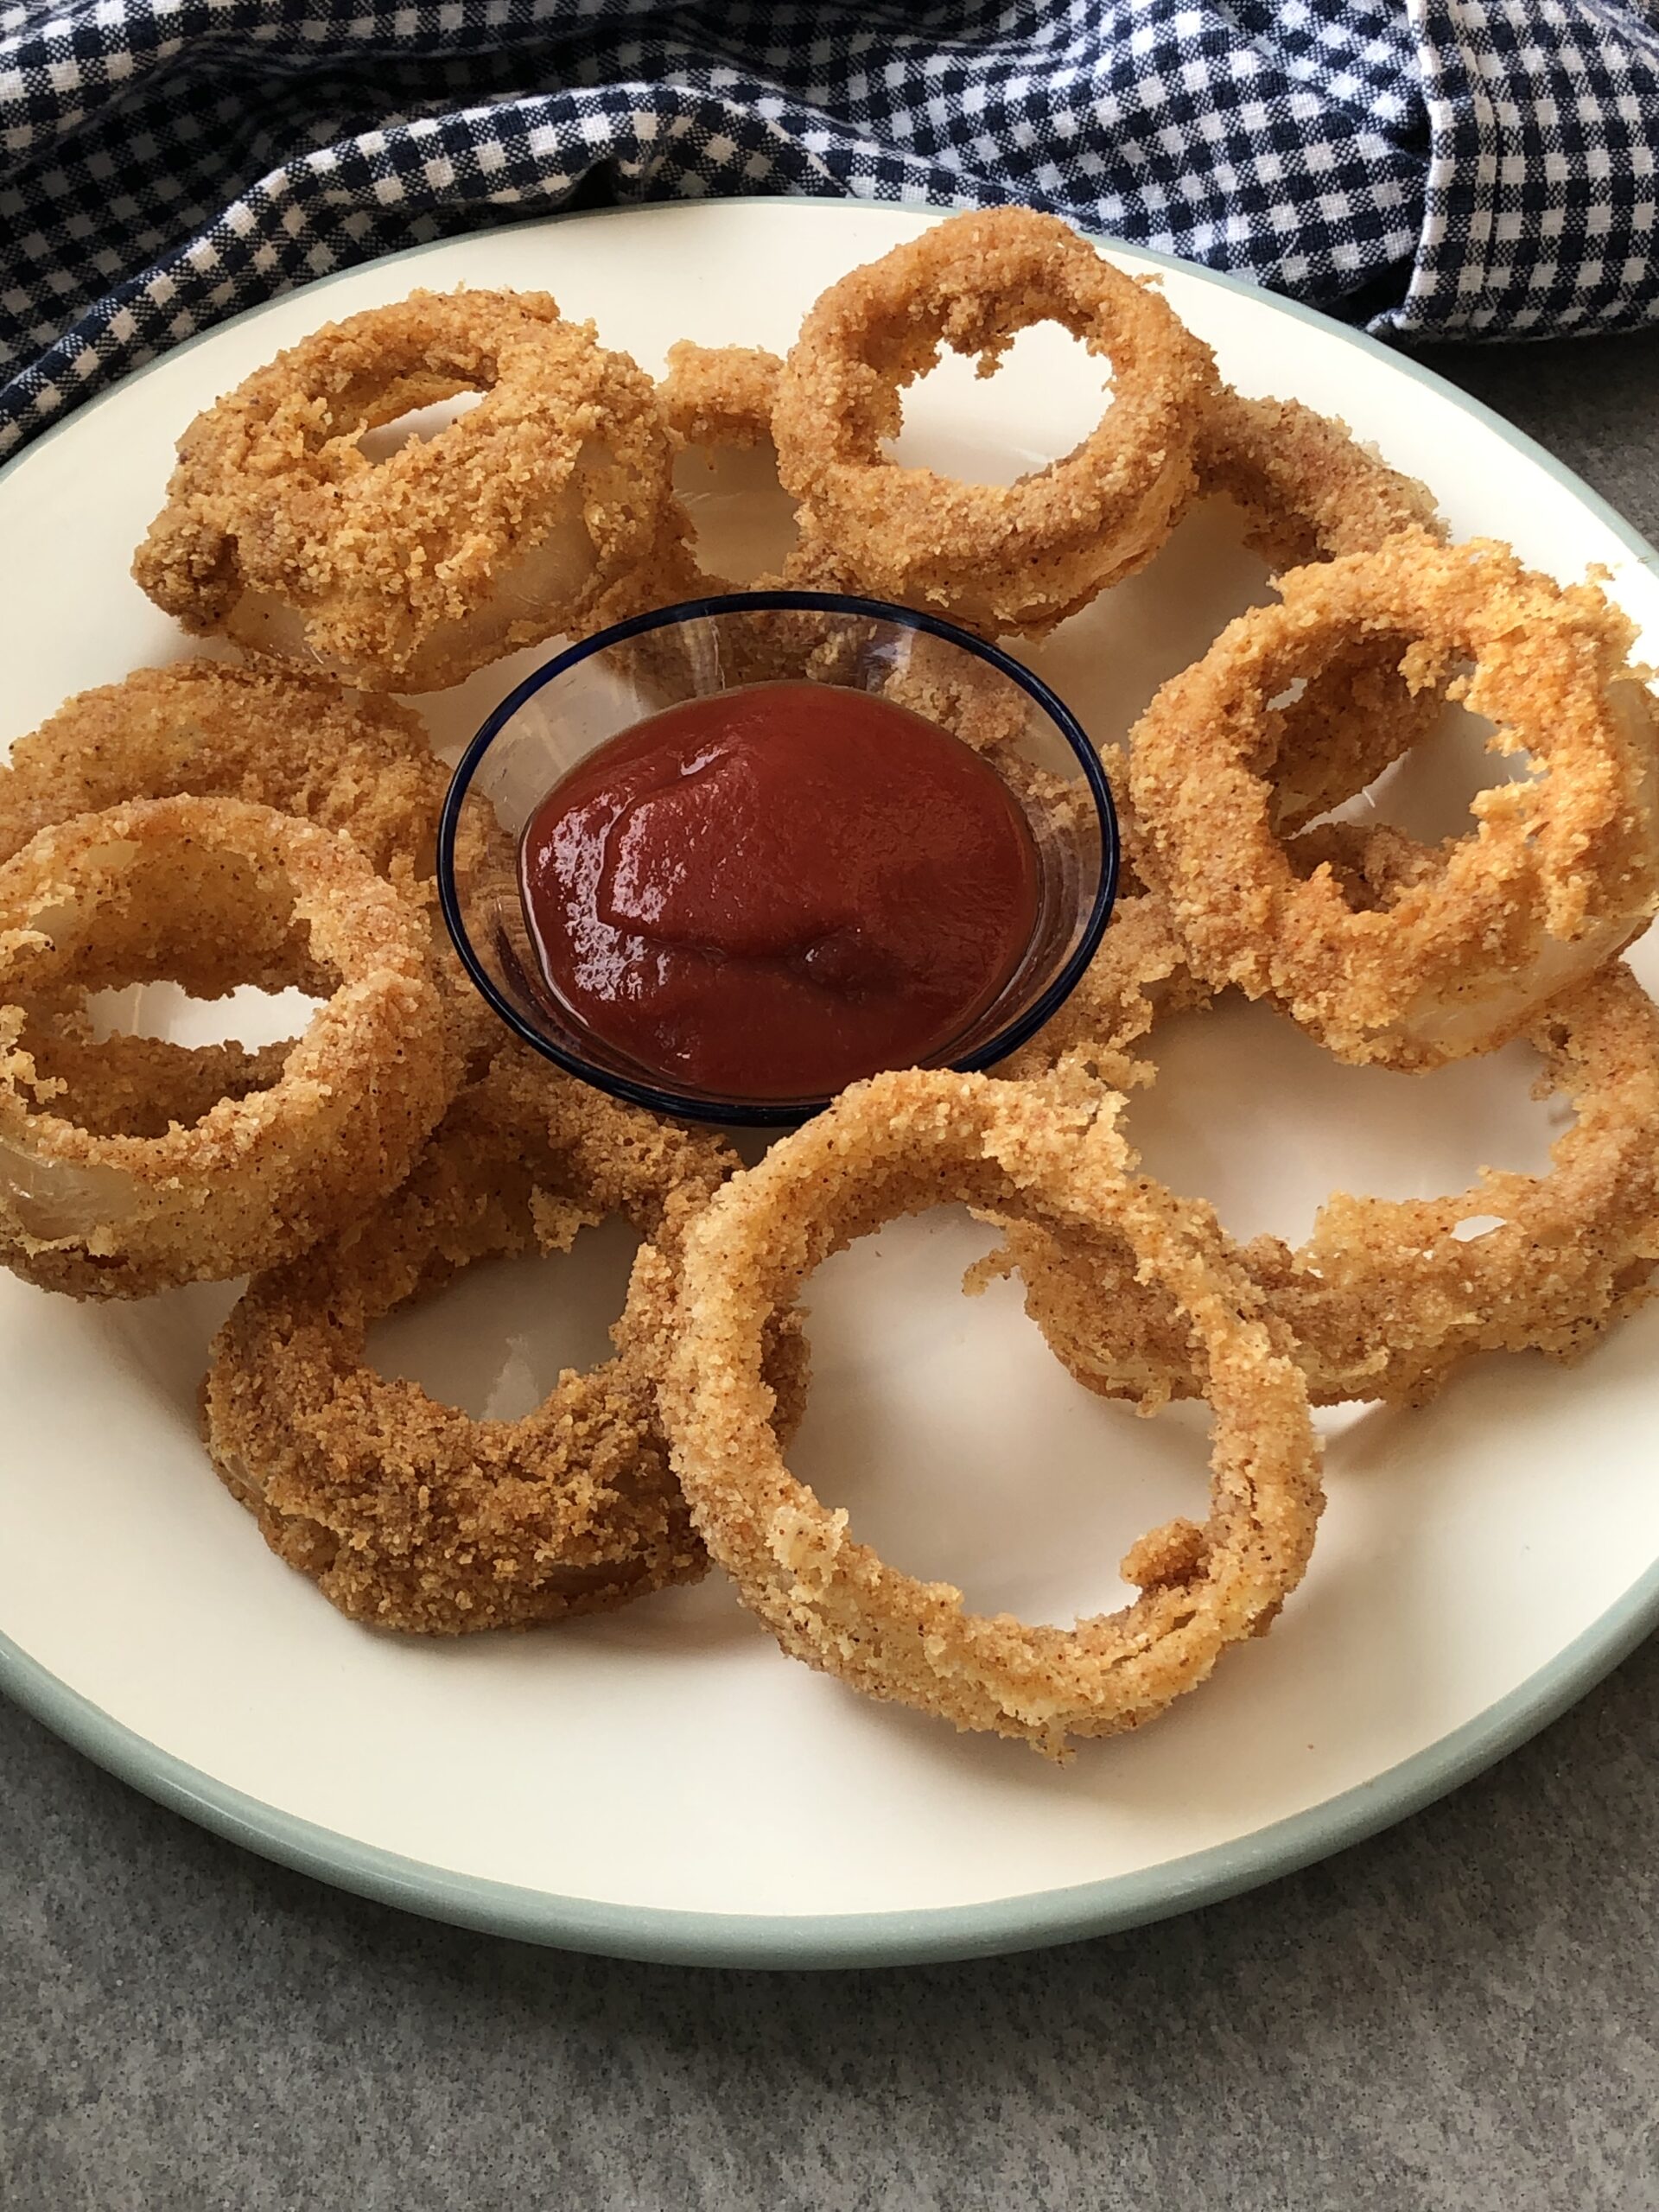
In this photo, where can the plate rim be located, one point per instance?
(663, 1936)
(1028, 1920)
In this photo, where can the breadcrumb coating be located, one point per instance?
(410, 1514)
(1019, 557)
(211, 893)
(1047, 1154)
(209, 729)
(409, 573)
(1559, 873)
(1307, 491)
(1387, 1296)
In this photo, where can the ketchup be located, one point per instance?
(769, 892)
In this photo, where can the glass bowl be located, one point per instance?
(641, 667)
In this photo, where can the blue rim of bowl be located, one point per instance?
(759, 1114)
(990, 1927)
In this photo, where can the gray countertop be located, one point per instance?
(1463, 2012)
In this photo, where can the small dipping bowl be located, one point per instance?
(639, 668)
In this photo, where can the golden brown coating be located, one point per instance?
(719, 395)
(209, 729)
(410, 1514)
(715, 396)
(210, 893)
(409, 573)
(1015, 557)
(136, 1086)
(709, 396)
(1139, 972)
(1388, 1295)
(1048, 1154)
(1307, 489)
(1464, 947)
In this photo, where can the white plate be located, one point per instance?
(663, 1782)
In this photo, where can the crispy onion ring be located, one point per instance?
(205, 729)
(1019, 557)
(408, 1513)
(1139, 972)
(715, 396)
(718, 396)
(1386, 1296)
(711, 397)
(408, 574)
(1307, 491)
(130, 1085)
(1463, 948)
(901, 1144)
(211, 893)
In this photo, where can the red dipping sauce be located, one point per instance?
(771, 892)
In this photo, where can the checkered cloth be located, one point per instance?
(1434, 168)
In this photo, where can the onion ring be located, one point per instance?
(209, 729)
(718, 396)
(1558, 875)
(710, 396)
(1138, 972)
(1023, 557)
(1307, 491)
(900, 1144)
(211, 893)
(130, 1085)
(408, 1513)
(1387, 1296)
(409, 573)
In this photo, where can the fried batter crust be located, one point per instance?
(1472, 940)
(1388, 1296)
(210, 729)
(211, 893)
(410, 573)
(410, 1514)
(1019, 557)
(1045, 1153)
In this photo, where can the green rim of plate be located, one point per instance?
(796, 1941)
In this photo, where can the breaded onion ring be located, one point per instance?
(129, 1085)
(715, 396)
(408, 1513)
(1139, 972)
(1308, 491)
(1386, 1296)
(709, 396)
(210, 893)
(900, 1144)
(207, 729)
(408, 574)
(1019, 557)
(1560, 873)
(718, 396)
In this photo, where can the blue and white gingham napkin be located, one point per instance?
(1431, 167)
